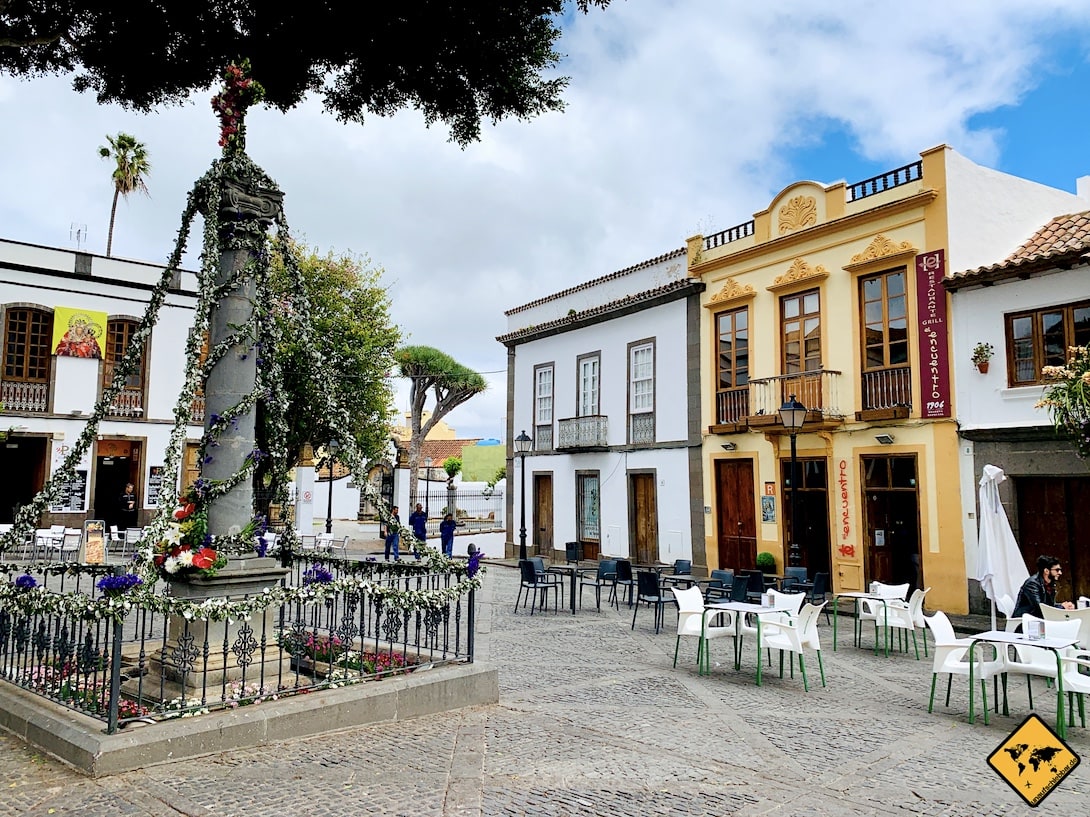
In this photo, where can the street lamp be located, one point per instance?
(523, 444)
(793, 415)
(332, 447)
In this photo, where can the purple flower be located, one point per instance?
(26, 582)
(474, 564)
(262, 546)
(317, 575)
(116, 585)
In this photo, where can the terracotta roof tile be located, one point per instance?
(588, 284)
(1062, 234)
(1064, 241)
(578, 318)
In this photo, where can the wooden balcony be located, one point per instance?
(756, 406)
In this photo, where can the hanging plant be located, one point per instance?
(1067, 398)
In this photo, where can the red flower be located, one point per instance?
(184, 512)
(204, 558)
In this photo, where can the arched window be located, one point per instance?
(27, 339)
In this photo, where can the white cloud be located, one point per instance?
(680, 115)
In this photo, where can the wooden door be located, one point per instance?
(543, 515)
(891, 524)
(811, 530)
(1052, 521)
(735, 515)
(643, 525)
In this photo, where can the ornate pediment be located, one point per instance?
(882, 247)
(731, 291)
(799, 212)
(798, 272)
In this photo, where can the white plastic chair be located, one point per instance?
(875, 611)
(1081, 615)
(132, 541)
(690, 616)
(307, 542)
(339, 547)
(69, 544)
(792, 636)
(1038, 661)
(906, 618)
(1076, 678)
(324, 542)
(951, 658)
(115, 539)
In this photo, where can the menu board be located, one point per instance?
(155, 483)
(93, 547)
(71, 496)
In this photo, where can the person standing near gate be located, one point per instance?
(127, 506)
(392, 535)
(446, 534)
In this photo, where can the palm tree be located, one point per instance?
(132, 166)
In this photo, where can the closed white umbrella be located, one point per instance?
(1000, 568)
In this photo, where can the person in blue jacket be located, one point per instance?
(446, 534)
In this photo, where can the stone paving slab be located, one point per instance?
(594, 719)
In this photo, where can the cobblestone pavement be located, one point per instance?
(594, 720)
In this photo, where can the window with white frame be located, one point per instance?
(589, 368)
(641, 391)
(543, 407)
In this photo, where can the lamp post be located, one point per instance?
(427, 486)
(523, 444)
(331, 449)
(793, 415)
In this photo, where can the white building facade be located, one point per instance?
(66, 318)
(1030, 308)
(605, 379)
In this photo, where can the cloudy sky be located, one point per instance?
(683, 116)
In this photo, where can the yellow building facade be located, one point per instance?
(830, 295)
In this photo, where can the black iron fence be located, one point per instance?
(331, 622)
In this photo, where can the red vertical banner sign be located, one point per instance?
(933, 332)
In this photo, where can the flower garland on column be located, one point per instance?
(177, 538)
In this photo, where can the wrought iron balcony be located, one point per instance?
(583, 433)
(886, 393)
(18, 395)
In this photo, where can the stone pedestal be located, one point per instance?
(193, 662)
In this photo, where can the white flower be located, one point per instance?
(185, 558)
(171, 564)
(173, 535)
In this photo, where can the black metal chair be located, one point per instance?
(623, 579)
(649, 591)
(739, 590)
(683, 568)
(817, 591)
(603, 576)
(755, 580)
(718, 585)
(543, 575)
(535, 589)
(792, 578)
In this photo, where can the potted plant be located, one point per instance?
(766, 562)
(982, 353)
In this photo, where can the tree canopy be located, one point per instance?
(450, 381)
(350, 313)
(457, 61)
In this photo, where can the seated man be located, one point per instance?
(1040, 589)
